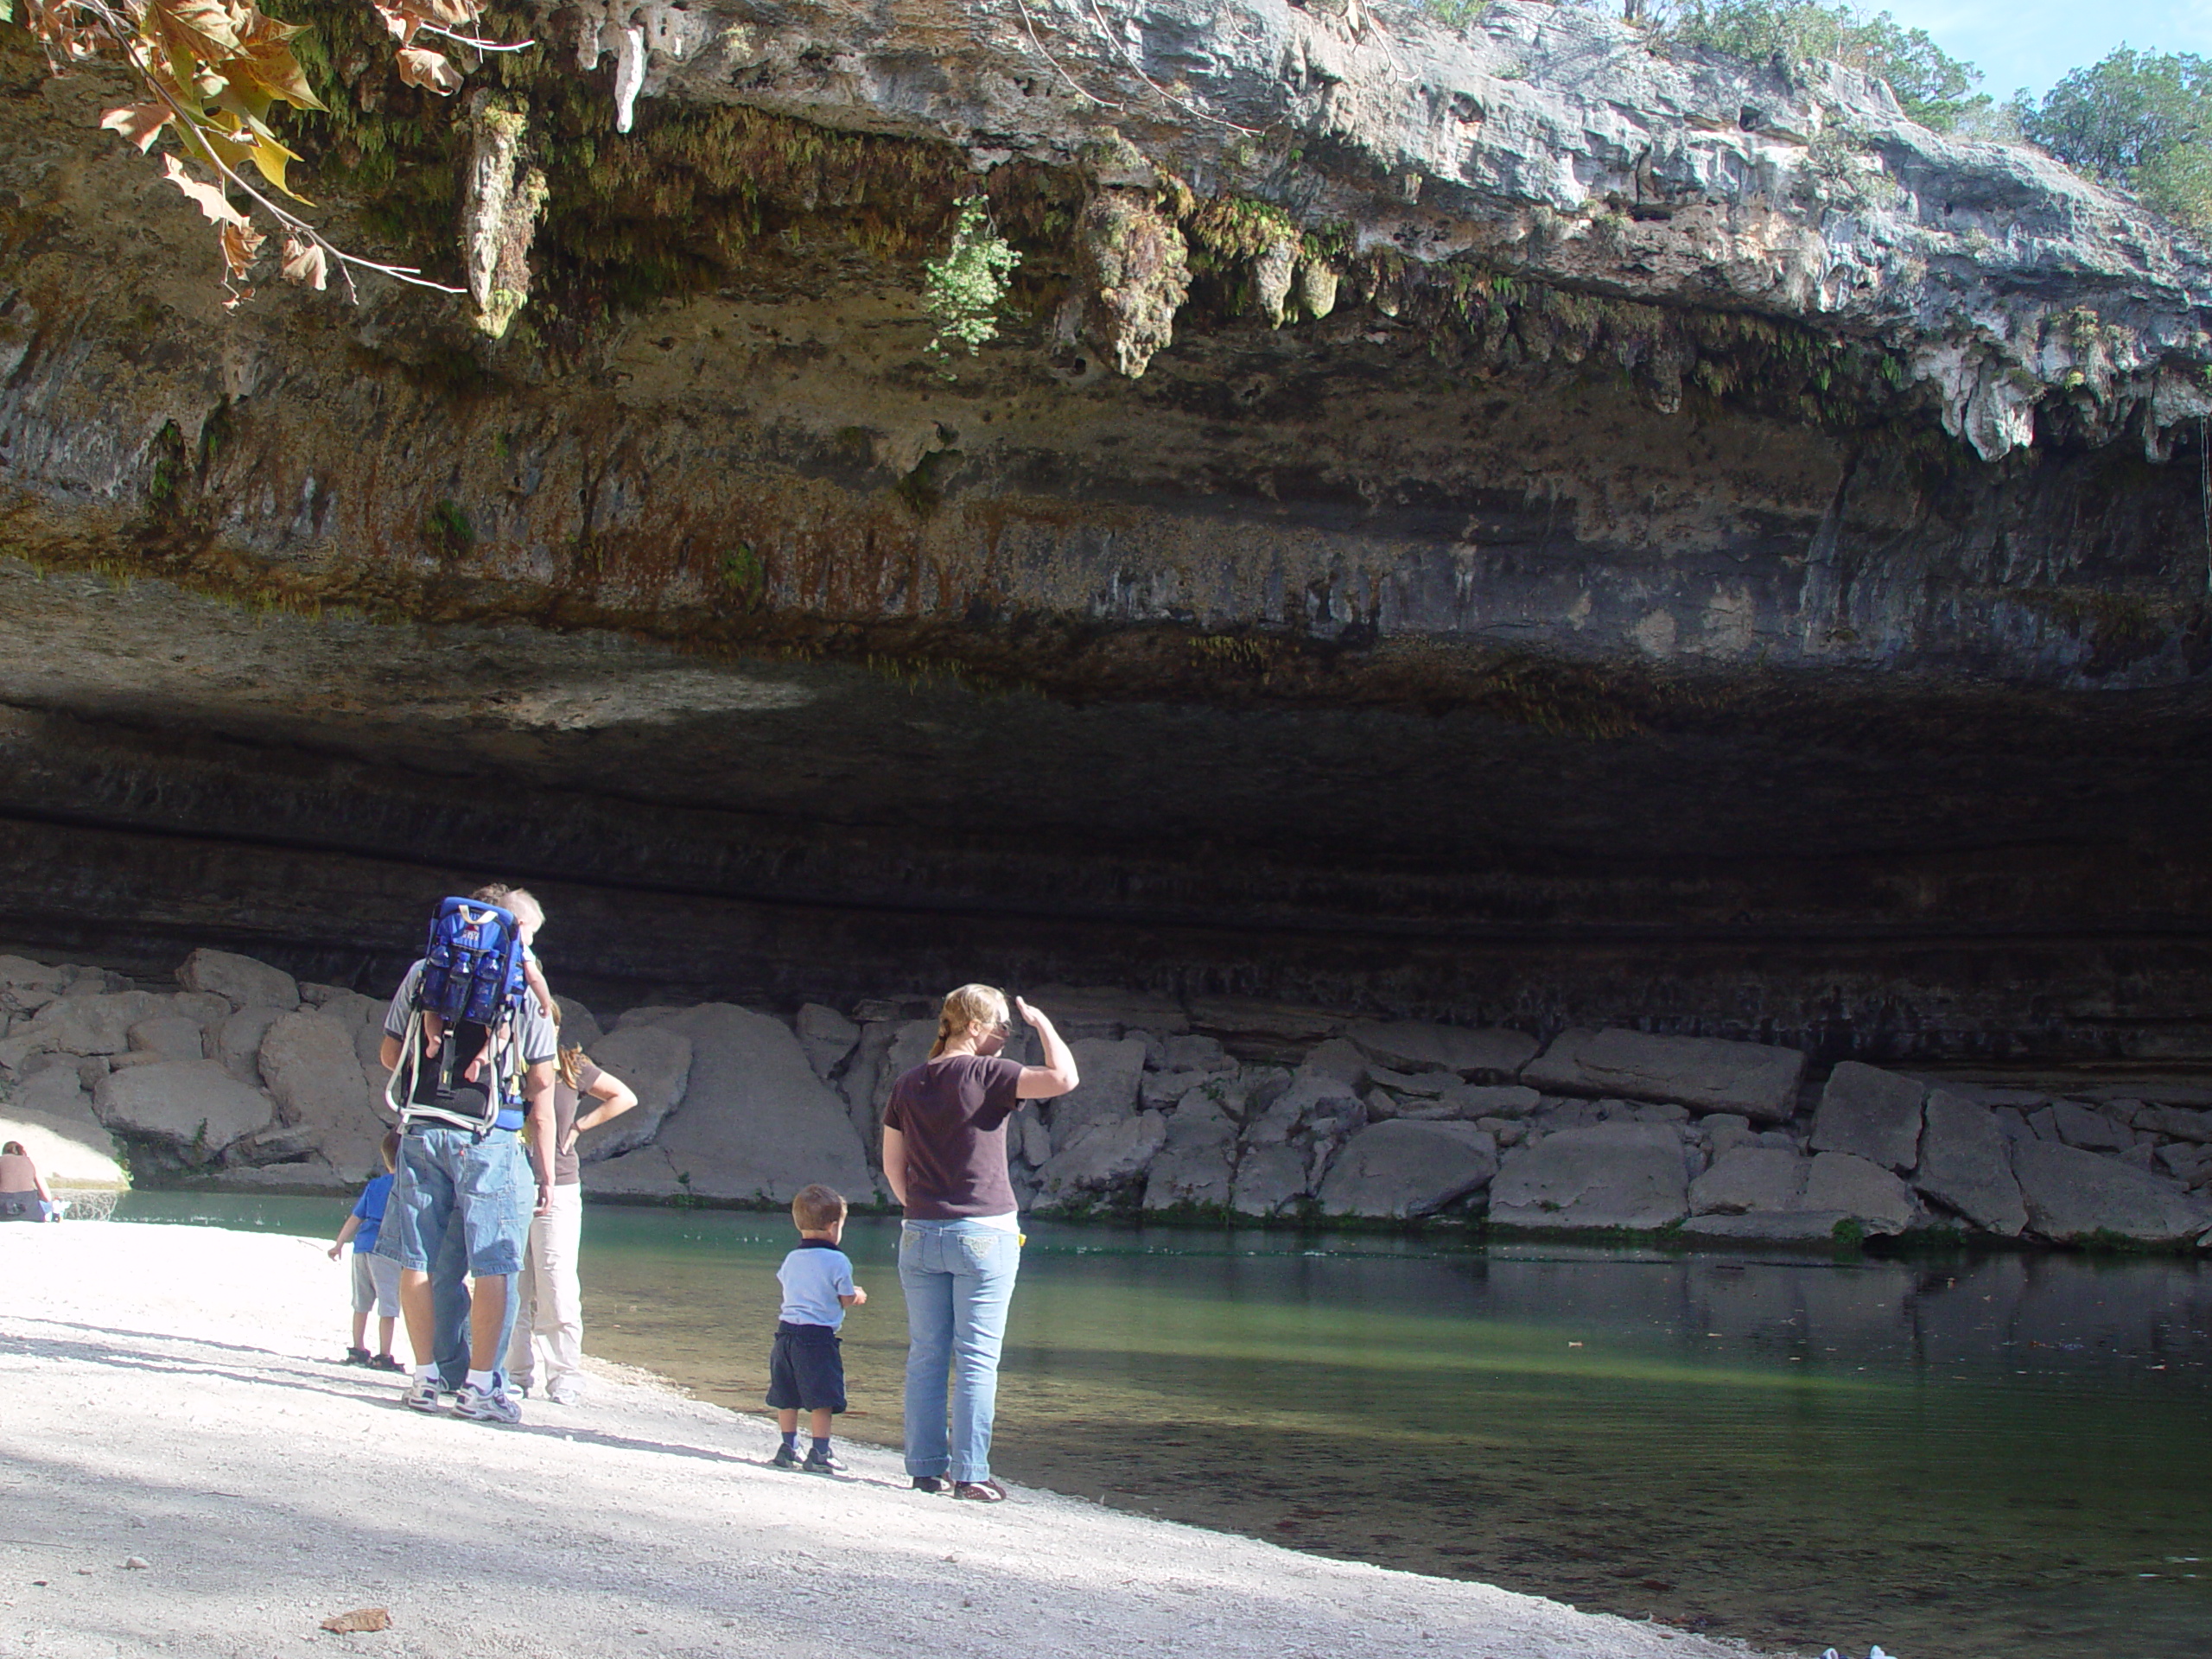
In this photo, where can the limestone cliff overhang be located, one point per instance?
(1547, 140)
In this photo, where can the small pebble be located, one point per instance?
(137, 1563)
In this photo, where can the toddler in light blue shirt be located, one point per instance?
(806, 1366)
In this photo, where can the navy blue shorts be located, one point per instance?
(806, 1370)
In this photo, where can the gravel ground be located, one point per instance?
(184, 1468)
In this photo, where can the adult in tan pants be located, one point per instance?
(550, 1306)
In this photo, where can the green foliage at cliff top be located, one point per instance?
(1935, 88)
(2137, 120)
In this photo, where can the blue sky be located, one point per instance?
(2032, 42)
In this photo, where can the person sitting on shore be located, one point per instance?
(549, 1297)
(464, 1176)
(376, 1278)
(24, 1196)
(960, 1245)
(806, 1365)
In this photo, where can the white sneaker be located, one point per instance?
(565, 1393)
(421, 1393)
(491, 1405)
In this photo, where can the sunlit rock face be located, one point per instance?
(1531, 530)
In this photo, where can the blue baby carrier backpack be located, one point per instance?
(473, 981)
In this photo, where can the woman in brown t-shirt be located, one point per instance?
(944, 1157)
(549, 1295)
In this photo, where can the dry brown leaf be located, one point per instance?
(304, 262)
(139, 123)
(361, 1618)
(207, 198)
(421, 66)
(241, 244)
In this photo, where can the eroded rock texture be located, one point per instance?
(1497, 525)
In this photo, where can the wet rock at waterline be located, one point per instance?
(2073, 1195)
(194, 1107)
(1966, 1165)
(1404, 1169)
(1622, 1175)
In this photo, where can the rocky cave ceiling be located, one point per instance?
(1593, 536)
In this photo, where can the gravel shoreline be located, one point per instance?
(169, 1394)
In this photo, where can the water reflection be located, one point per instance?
(1971, 1456)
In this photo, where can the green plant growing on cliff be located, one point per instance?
(962, 290)
(447, 532)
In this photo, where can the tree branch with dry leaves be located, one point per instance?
(209, 74)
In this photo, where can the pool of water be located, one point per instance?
(1969, 1457)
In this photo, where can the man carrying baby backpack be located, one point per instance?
(471, 1045)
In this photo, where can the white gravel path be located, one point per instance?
(169, 1393)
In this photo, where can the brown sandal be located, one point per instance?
(982, 1492)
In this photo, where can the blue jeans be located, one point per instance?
(450, 1308)
(459, 1207)
(958, 1278)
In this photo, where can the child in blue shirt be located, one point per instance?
(806, 1367)
(376, 1278)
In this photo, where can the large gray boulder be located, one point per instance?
(1401, 1169)
(888, 1050)
(1491, 1055)
(240, 980)
(656, 1063)
(1108, 1155)
(1195, 1052)
(204, 1008)
(1870, 1114)
(309, 1064)
(1193, 1166)
(1965, 1164)
(98, 1024)
(194, 1106)
(1843, 1184)
(1744, 1179)
(171, 1036)
(756, 1123)
(1608, 1175)
(238, 1040)
(2180, 1123)
(21, 972)
(1268, 1178)
(579, 1028)
(1111, 1071)
(827, 1036)
(2087, 1128)
(1704, 1073)
(2072, 1195)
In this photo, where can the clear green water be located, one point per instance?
(1979, 1458)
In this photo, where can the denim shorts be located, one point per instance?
(451, 1177)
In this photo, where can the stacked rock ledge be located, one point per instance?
(1216, 1112)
